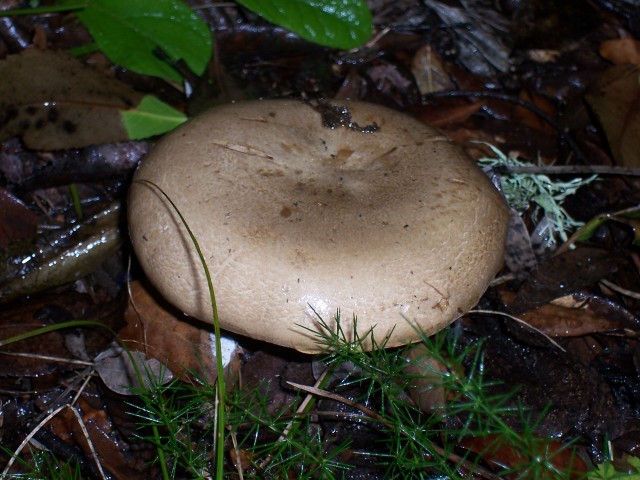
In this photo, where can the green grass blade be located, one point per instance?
(221, 387)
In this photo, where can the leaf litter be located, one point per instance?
(586, 297)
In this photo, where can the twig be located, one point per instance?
(41, 425)
(92, 449)
(617, 288)
(50, 358)
(236, 449)
(568, 170)
(521, 322)
(376, 416)
(562, 131)
(301, 408)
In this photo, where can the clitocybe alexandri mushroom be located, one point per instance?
(302, 209)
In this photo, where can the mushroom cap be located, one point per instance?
(303, 210)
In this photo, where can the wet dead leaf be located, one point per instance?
(96, 428)
(123, 371)
(242, 458)
(481, 48)
(576, 315)
(519, 256)
(532, 120)
(621, 50)
(34, 356)
(55, 102)
(73, 253)
(615, 99)
(563, 275)
(17, 222)
(429, 71)
(628, 216)
(166, 335)
(427, 373)
(447, 115)
(497, 452)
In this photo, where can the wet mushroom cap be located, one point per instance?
(303, 209)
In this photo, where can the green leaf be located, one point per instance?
(607, 471)
(151, 117)
(137, 34)
(333, 23)
(629, 216)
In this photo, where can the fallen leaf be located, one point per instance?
(167, 335)
(519, 256)
(499, 453)
(101, 433)
(480, 48)
(17, 222)
(429, 71)
(73, 253)
(35, 356)
(446, 115)
(530, 119)
(124, 372)
(563, 275)
(577, 315)
(54, 102)
(615, 99)
(629, 216)
(427, 375)
(621, 50)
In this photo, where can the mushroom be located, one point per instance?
(306, 209)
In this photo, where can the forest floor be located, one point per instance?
(552, 84)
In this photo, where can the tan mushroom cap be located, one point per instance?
(304, 209)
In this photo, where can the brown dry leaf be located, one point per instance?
(519, 256)
(101, 433)
(473, 140)
(17, 222)
(242, 458)
(499, 453)
(161, 333)
(615, 98)
(588, 314)
(31, 357)
(125, 372)
(446, 115)
(427, 373)
(53, 102)
(531, 119)
(565, 274)
(429, 71)
(621, 50)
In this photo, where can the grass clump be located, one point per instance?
(46, 466)
(414, 443)
(363, 396)
(453, 440)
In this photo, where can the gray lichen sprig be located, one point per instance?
(523, 189)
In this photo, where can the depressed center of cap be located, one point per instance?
(304, 209)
